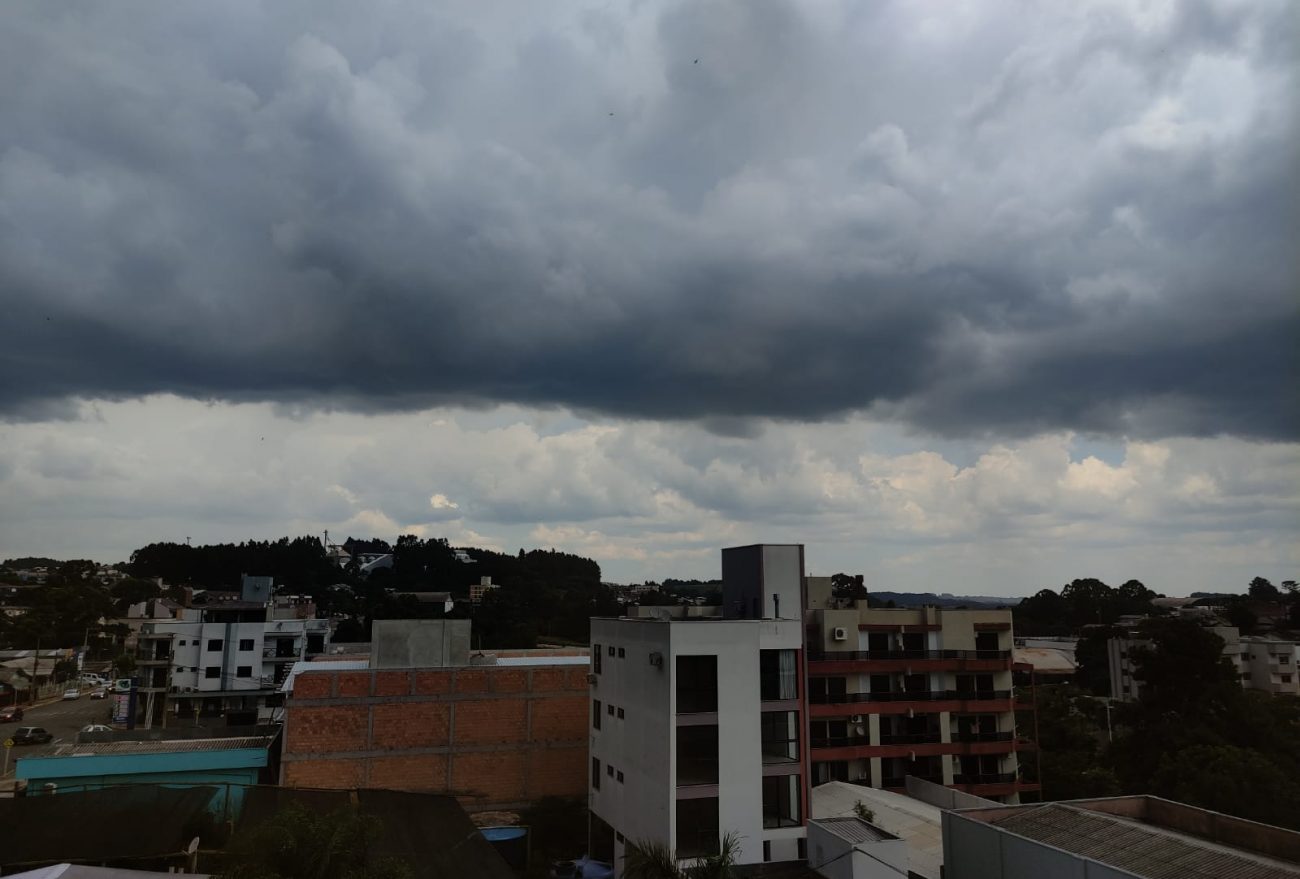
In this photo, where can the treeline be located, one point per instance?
(299, 564)
(1080, 603)
(1195, 735)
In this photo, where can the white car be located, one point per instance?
(71, 693)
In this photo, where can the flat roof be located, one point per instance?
(917, 823)
(853, 830)
(302, 666)
(166, 746)
(1142, 848)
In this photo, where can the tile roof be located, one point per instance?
(1139, 848)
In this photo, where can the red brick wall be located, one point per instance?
(496, 736)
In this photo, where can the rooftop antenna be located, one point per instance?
(187, 540)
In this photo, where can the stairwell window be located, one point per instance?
(595, 658)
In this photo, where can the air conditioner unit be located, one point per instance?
(657, 660)
(839, 633)
(857, 718)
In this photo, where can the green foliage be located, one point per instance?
(1232, 779)
(651, 860)
(557, 828)
(124, 664)
(302, 844)
(863, 811)
(1261, 588)
(1080, 603)
(131, 591)
(65, 670)
(1093, 672)
(58, 615)
(850, 587)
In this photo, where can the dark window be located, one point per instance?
(1286, 679)
(245, 643)
(803, 849)
(621, 653)
(214, 643)
(620, 714)
(697, 827)
(595, 714)
(212, 671)
(767, 850)
(776, 675)
(595, 658)
(780, 736)
(611, 650)
(181, 642)
(609, 770)
(609, 709)
(697, 684)
(781, 801)
(244, 671)
(595, 773)
(620, 776)
(697, 755)
(1285, 660)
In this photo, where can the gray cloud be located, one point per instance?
(1077, 218)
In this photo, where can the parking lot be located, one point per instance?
(62, 719)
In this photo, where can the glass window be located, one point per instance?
(215, 643)
(697, 755)
(245, 643)
(212, 671)
(620, 776)
(595, 658)
(781, 801)
(611, 650)
(697, 684)
(595, 714)
(621, 653)
(780, 736)
(620, 714)
(776, 673)
(609, 709)
(697, 827)
(244, 671)
(595, 773)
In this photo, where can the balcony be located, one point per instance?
(152, 657)
(850, 661)
(900, 702)
(983, 737)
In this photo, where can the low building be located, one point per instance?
(499, 732)
(1133, 836)
(1270, 664)
(235, 761)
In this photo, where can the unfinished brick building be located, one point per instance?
(497, 736)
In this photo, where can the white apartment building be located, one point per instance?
(1269, 664)
(227, 656)
(697, 724)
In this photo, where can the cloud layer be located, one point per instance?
(653, 499)
(975, 220)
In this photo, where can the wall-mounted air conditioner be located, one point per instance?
(839, 633)
(657, 660)
(857, 718)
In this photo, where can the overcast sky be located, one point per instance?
(968, 297)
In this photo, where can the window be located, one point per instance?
(697, 827)
(181, 642)
(779, 732)
(781, 801)
(595, 714)
(620, 776)
(609, 709)
(215, 643)
(697, 755)
(595, 658)
(611, 650)
(697, 684)
(1286, 679)
(244, 671)
(1285, 660)
(609, 770)
(620, 714)
(595, 773)
(767, 850)
(621, 653)
(212, 671)
(245, 643)
(776, 675)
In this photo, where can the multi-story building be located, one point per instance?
(225, 656)
(1270, 664)
(697, 723)
(1124, 684)
(924, 692)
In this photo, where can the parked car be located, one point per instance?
(71, 693)
(99, 693)
(11, 714)
(31, 735)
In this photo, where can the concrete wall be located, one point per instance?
(494, 736)
(419, 643)
(763, 581)
(830, 856)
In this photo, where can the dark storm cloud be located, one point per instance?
(718, 212)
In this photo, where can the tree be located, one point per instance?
(1183, 669)
(300, 844)
(124, 665)
(850, 587)
(1090, 654)
(1239, 614)
(65, 670)
(1226, 778)
(652, 860)
(1263, 590)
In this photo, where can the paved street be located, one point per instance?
(63, 719)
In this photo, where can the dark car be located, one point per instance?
(10, 714)
(31, 735)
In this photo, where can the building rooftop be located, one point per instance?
(166, 746)
(1045, 660)
(1153, 838)
(916, 823)
(318, 664)
(854, 830)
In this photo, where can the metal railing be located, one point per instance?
(832, 655)
(911, 696)
(983, 737)
(995, 778)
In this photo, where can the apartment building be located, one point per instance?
(225, 654)
(924, 692)
(1124, 684)
(697, 723)
(1269, 664)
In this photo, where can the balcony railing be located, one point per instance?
(840, 741)
(983, 737)
(911, 696)
(831, 655)
(901, 780)
(996, 778)
(151, 656)
(923, 738)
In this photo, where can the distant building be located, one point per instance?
(1124, 684)
(1270, 664)
(481, 588)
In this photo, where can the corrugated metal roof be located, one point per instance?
(1139, 848)
(853, 830)
(170, 746)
